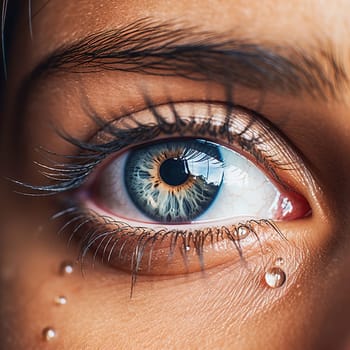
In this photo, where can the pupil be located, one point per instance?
(173, 171)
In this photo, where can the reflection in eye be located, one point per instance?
(179, 181)
(174, 188)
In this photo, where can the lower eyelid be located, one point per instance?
(168, 250)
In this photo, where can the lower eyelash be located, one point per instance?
(104, 237)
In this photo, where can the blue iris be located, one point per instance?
(174, 181)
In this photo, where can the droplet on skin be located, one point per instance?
(275, 277)
(242, 232)
(187, 248)
(48, 333)
(279, 262)
(268, 249)
(60, 300)
(66, 268)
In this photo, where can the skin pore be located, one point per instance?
(227, 306)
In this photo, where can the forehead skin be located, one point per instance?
(297, 23)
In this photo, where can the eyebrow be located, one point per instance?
(168, 49)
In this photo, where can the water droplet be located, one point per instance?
(187, 248)
(279, 262)
(60, 300)
(275, 277)
(242, 232)
(66, 268)
(267, 250)
(48, 333)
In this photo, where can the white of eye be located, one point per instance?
(246, 192)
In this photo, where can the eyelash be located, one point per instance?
(81, 218)
(71, 174)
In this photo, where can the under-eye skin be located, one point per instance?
(127, 190)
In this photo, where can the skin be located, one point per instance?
(229, 306)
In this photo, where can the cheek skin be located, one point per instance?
(219, 308)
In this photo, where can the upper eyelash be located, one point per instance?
(71, 174)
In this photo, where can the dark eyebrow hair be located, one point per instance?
(168, 49)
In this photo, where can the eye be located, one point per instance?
(189, 180)
(179, 188)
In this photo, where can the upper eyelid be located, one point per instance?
(226, 106)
